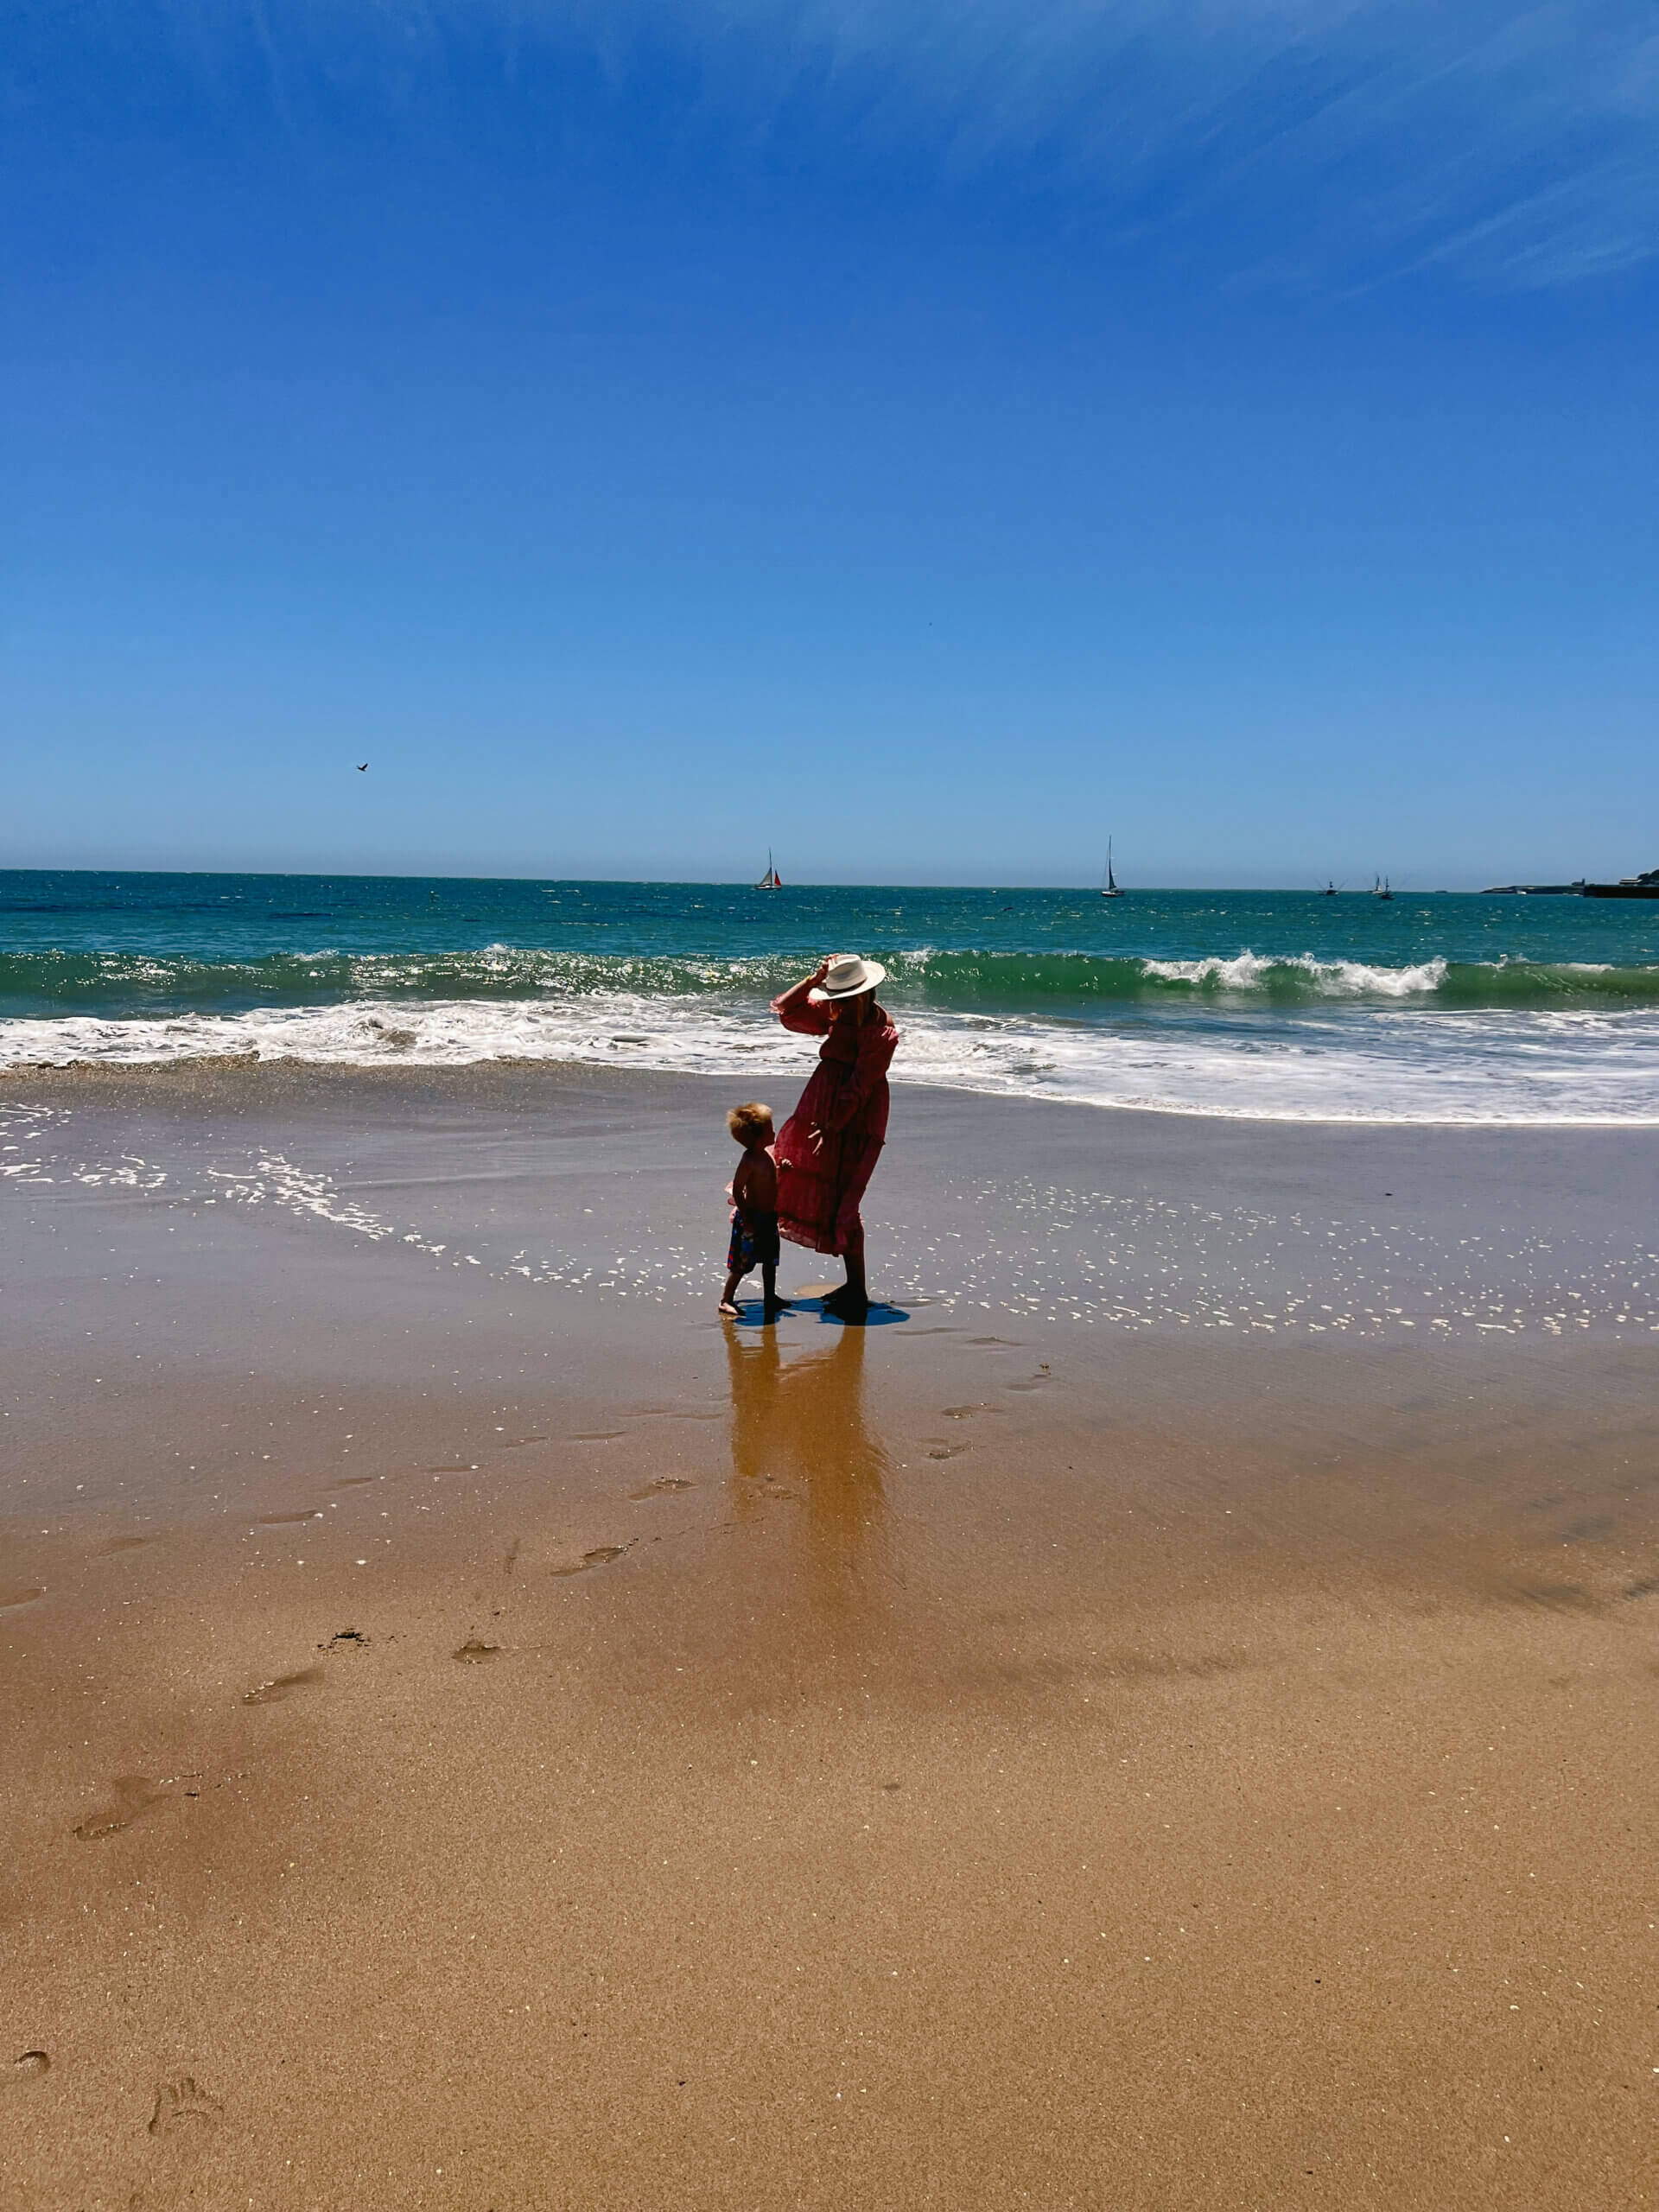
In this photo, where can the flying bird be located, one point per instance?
(362, 767)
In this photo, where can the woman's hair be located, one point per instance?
(744, 1122)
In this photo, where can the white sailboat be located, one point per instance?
(771, 881)
(1108, 889)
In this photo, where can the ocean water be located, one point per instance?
(1277, 1005)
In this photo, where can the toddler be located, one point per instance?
(754, 1210)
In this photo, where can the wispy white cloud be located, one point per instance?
(1516, 145)
(1347, 141)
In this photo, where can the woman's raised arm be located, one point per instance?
(796, 1010)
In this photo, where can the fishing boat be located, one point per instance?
(1330, 890)
(1381, 889)
(1108, 889)
(771, 881)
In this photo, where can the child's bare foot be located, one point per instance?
(774, 1306)
(729, 1307)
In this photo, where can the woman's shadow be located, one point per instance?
(799, 1432)
(809, 1304)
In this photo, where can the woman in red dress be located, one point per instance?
(830, 1145)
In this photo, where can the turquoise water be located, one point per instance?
(1431, 1007)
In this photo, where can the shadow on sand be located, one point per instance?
(808, 1305)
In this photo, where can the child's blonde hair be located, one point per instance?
(745, 1123)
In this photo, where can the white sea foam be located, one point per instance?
(1251, 971)
(1354, 1063)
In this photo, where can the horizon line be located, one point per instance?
(737, 883)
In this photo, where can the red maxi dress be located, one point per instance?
(846, 1099)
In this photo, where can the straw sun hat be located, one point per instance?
(848, 977)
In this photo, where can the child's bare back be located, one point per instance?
(754, 1187)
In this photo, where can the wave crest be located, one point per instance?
(132, 986)
(1253, 974)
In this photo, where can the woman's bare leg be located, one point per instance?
(854, 1295)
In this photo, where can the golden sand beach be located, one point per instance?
(474, 1742)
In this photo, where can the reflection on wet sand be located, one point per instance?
(798, 1430)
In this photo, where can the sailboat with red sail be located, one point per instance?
(771, 881)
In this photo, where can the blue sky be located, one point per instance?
(924, 439)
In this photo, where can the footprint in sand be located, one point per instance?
(947, 1450)
(182, 2120)
(282, 1686)
(29, 2066)
(183, 2103)
(601, 1556)
(967, 1413)
(131, 1796)
(1036, 1382)
(287, 1520)
(664, 1486)
(475, 1650)
(16, 1596)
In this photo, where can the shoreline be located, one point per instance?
(981, 1757)
(188, 1081)
(217, 1064)
(532, 1066)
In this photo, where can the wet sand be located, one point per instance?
(481, 1733)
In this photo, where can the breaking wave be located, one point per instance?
(124, 986)
(1362, 1063)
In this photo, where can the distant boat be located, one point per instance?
(1381, 890)
(1108, 889)
(771, 881)
(1329, 892)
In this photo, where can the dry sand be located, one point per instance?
(968, 1761)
